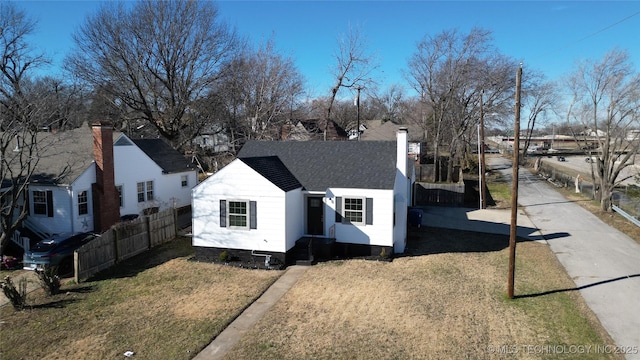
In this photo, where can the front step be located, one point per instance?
(303, 252)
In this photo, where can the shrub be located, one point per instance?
(224, 257)
(17, 297)
(49, 280)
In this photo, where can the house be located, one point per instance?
(213, 139)
(387, 131)
(89, 177)
(350, 197)
(312, 129)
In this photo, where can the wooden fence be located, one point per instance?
(439, 194)
(125, 240)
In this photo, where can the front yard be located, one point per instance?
(159, 305)
(441, 300)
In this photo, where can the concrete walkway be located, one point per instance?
(230, 336)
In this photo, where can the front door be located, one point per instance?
(315, 221)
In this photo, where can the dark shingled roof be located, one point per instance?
(319, 165)
(273, 170)
(169, 159)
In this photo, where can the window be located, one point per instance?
(238, 214)
(43, 202)
(145, 191)
(119, 189)
(353, 210)
(83, 203)
(184, 180)
(40, 202)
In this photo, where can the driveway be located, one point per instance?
(603, 262)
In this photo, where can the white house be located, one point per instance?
(86, 180)
(150, 175)
(279, 200)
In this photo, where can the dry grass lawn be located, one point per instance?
(439, 302)
(159, 305)
(445, 299)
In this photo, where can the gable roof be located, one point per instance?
(312, 129)
(389, 130)
(319, 165)
(169, 159)
(64, 155)
(273, 170)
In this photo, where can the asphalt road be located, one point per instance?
(603, 262)
(578, 163)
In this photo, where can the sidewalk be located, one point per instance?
(243, 323)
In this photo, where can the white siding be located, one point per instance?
(132, 166)
(237, 181)
(379, 233)
(295, 203)
(82, 223)
(402, 198)
(61, 220)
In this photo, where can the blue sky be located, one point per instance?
(547, 36)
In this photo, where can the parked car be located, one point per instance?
(56, 251)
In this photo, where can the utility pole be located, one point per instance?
(514, 188)
(482, 165)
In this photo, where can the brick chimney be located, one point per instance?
(106, 200)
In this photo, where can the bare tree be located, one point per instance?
(539, 98)
(260, 90)
(390, 104)
(66, 102)
(606, 101)
(273, 86)
(353, 66)
(157, 58)
(450, 71)
(18, 118)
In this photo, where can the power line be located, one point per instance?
(590, 35)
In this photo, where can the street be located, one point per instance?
(603, 262)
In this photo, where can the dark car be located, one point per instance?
(561, 158)
(56, 251)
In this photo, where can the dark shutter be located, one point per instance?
(338, 209)
(253, 219)
(223, 213)
(369, 209)
(49, 203)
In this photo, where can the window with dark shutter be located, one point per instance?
(238, 214)
(354, 210)
(39, 202)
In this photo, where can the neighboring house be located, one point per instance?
(278, 193)
(87, 180)
(387, 130)
(213, 139)
(353, 133)
(312, 129)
